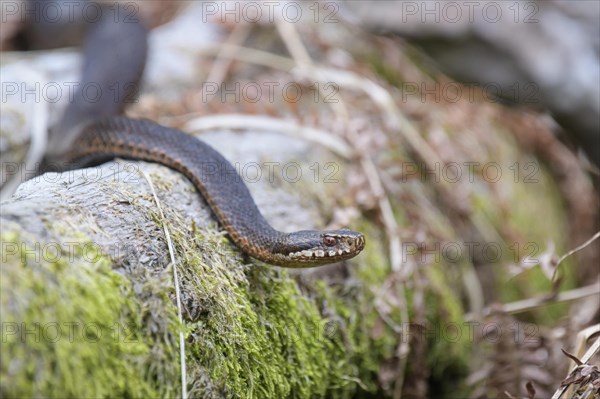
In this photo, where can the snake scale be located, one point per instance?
(92, 133)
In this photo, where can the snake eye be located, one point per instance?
(329, 241)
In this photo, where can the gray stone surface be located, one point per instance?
(113, 204)
(543, 54)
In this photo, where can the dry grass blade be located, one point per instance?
(266, 123)
(250, 55)
(175, 282)
(583, 337)
(533, 303)
(223, 59)
(293, 42)
(574, 250)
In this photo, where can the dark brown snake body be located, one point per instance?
(115, 52)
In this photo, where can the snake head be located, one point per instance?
(309, 248)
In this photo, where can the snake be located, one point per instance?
(90, 133)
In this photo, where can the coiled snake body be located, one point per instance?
(115, 52)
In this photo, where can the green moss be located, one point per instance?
(532, 219)
(258, 335)
(449, 336)
(540, 218)
(69, 327)
(251, 330)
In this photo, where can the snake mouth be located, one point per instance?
(319, 253)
